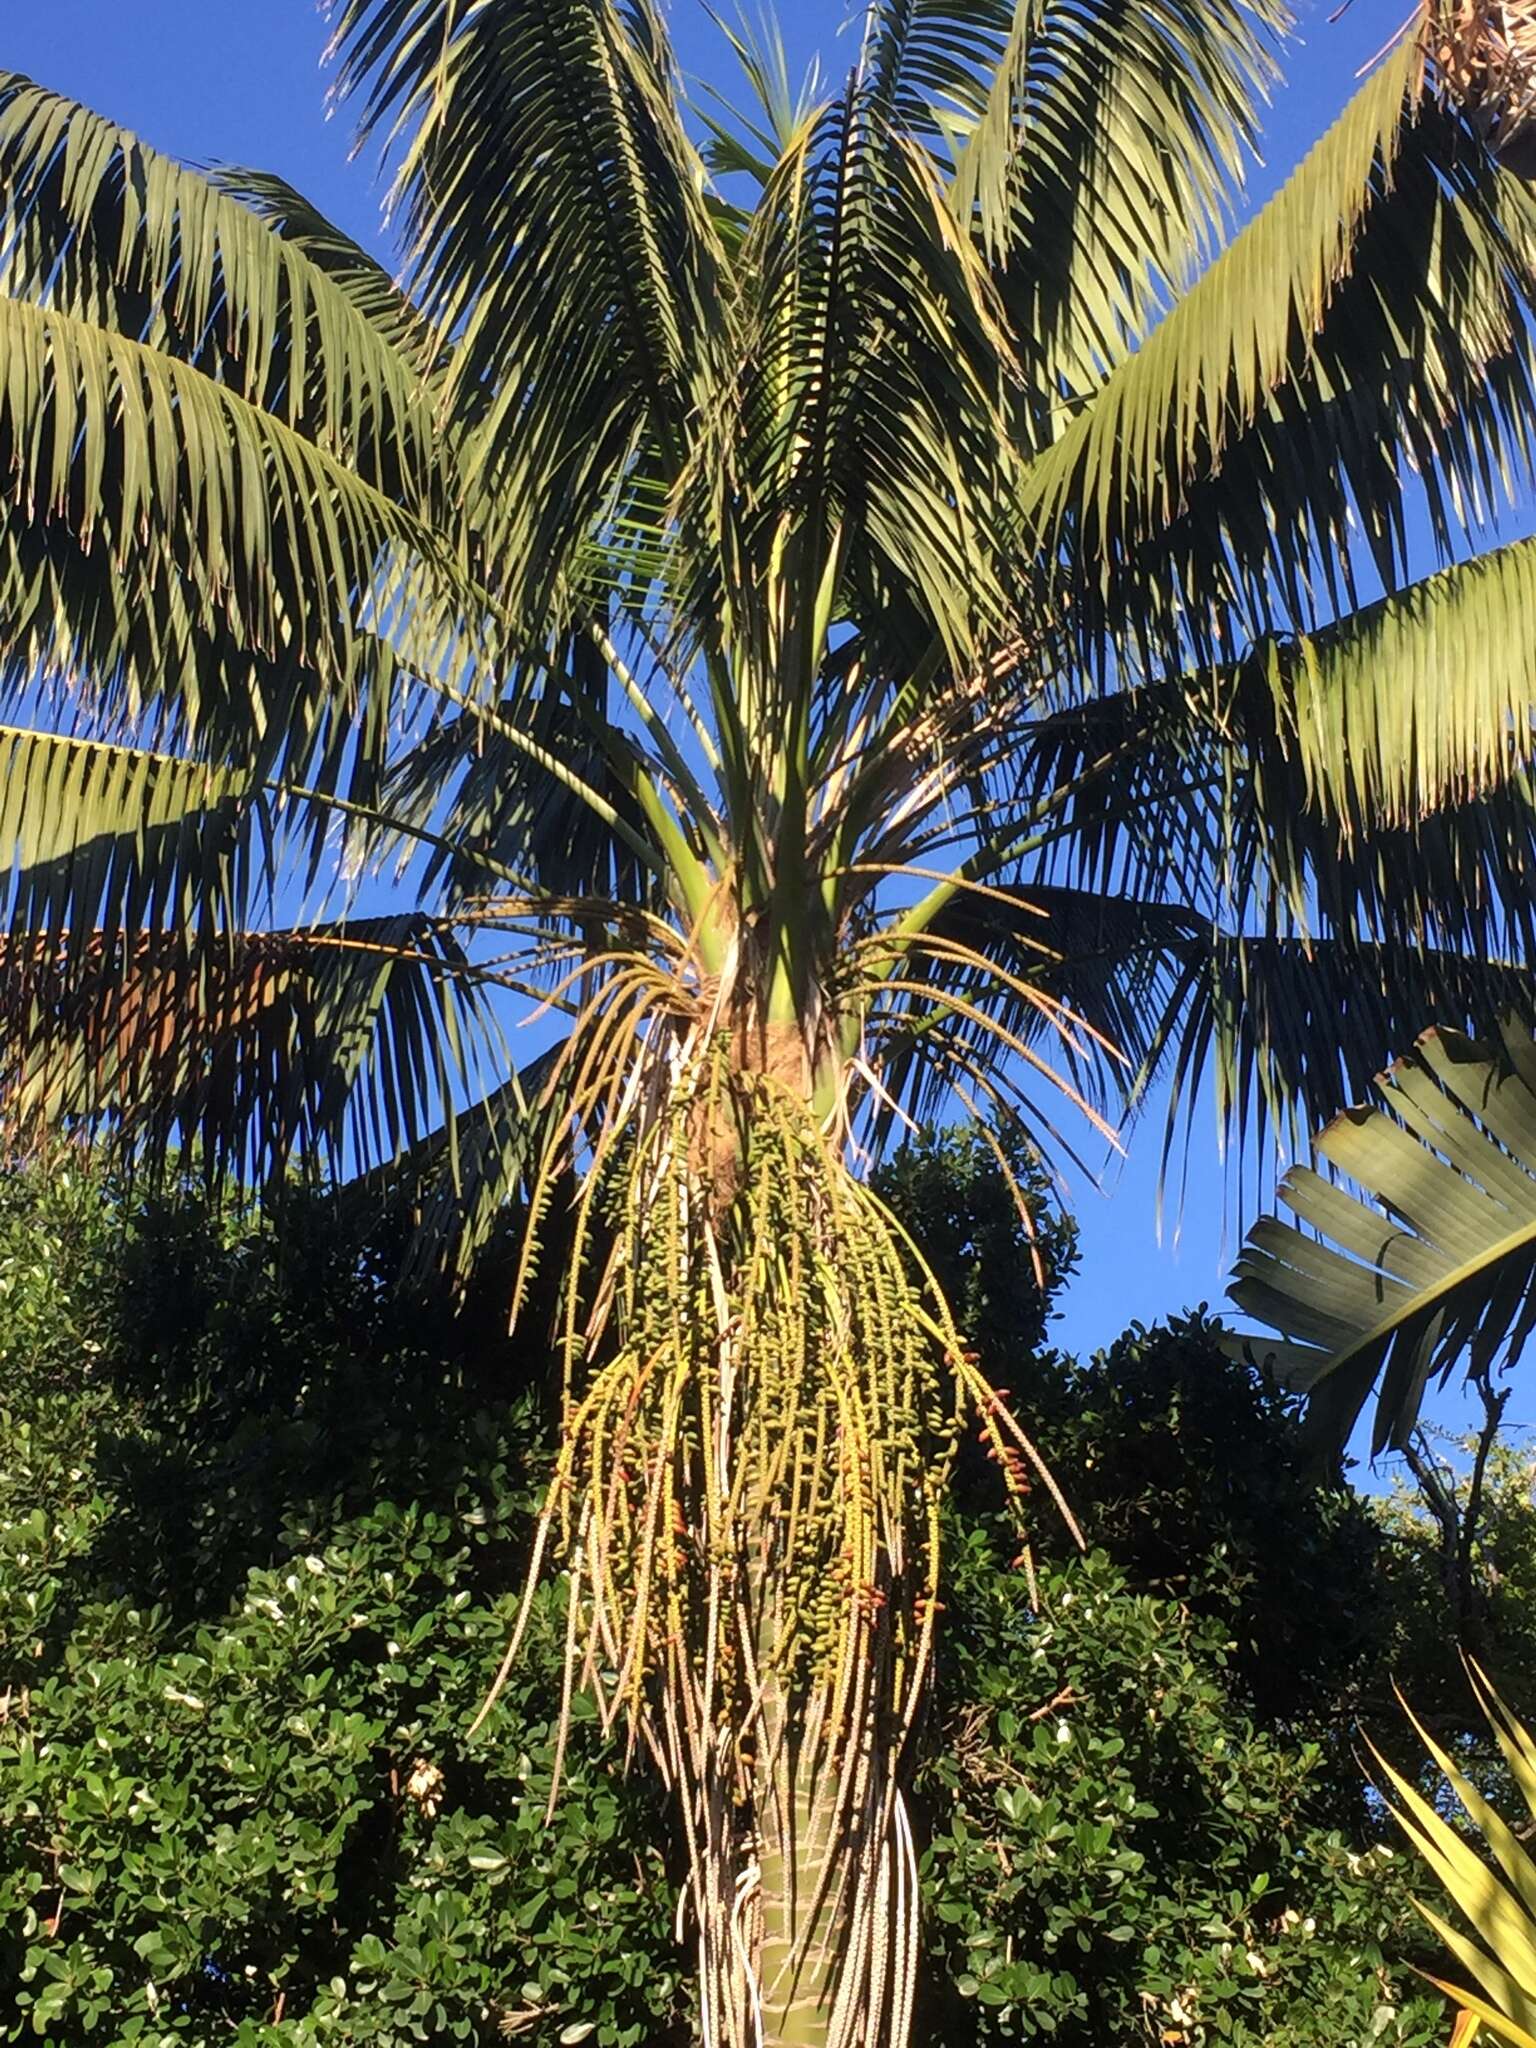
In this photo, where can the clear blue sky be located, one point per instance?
(240, 81)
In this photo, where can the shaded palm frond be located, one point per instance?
(98, 842)
(481, 781)
(248, 1054)
(467, 1177)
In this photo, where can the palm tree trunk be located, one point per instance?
(801, 1913)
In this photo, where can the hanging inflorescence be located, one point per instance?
(764, 1394)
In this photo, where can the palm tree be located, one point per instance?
(843, 609)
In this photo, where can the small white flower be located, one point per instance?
(1063, 1732)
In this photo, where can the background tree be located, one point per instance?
(834, 605)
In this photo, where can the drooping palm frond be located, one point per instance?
(1219, 485)
(361, 278)
(1129, 994)
(248, 1054)
(96, 225)
(460, 1183)
(1096, 161)
(1422, 700)
(256, 556)
(1168, 413)
(99, 841)
(1438, 1269)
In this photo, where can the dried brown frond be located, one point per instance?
(1483, 54)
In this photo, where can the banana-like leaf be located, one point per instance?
(1434, 1264)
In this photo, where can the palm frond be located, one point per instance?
(361, 278)
(1422, 700)
(249, 1054)
(98, 841)
(867, 426)
(186, 550)
(462, 1180)
(550, 130)
(1099, 162)
(97, 226)
(1123, 466)
(1363, 342)
(1287, 793)
(480, 780)
(1130, 992)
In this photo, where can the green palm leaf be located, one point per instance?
(1218, 486)
(1098, 160)
(100, 839)
(550, 130)
(249, 543)
(1168, 413)
(100, 227)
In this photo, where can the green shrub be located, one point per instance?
(1118, 1854)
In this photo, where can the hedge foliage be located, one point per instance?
(262, 1523)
